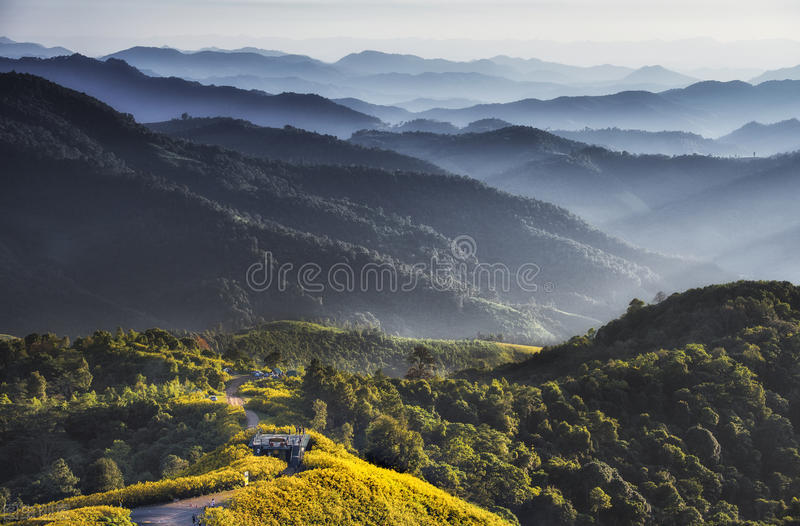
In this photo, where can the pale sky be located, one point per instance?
(522, 27)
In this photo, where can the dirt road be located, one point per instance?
(180, 512)
(234, 399)
(177, 513)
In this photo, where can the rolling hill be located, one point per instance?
(792, 73)
(709, 108)
(698, 206)
(286, 144)
(476, 154)
(680, 412)
(657, 76)
(536, 163)
(644, 142)
(765, 139)
(632, 109)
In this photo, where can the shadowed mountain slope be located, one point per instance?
(112, 224)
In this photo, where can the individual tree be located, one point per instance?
(422, 363)
(37, 386)
(5, 496)
(102, 475)
(82, 377)
(120, 452)
(444, 476)
(599, 500)
(393, 445)
(320, 420)
(346, 435)
(77, 379)
(635, 305)
(58, 481)
(172, 465)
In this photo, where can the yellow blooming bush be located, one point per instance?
(106, 515)
(338, 488)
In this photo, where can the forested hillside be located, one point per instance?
(361, 349)
(109, 410)
(287, 144)
(105, 410)
(700, 206)
(174, 224)
(681, 412)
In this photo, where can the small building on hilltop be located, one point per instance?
(290, 448)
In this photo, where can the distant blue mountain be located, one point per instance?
(11, 49)
(151, 99)
(766, 139)
(709, 108)
(203, 64)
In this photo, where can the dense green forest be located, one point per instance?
(681, 412)
(105, 410)
(113, 409)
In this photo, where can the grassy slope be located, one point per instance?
(360, 350)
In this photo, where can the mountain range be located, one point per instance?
(157, 99)
(698, 206)
(707, 108)
(751, 139)
(168, 223)
(387, 78)
(12, 49)
(792, 73)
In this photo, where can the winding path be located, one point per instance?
(235, 399)
(179, 512)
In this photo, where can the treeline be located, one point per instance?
(293, 344)
(286, 144)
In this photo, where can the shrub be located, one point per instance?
(107, 515)
(338, 488)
